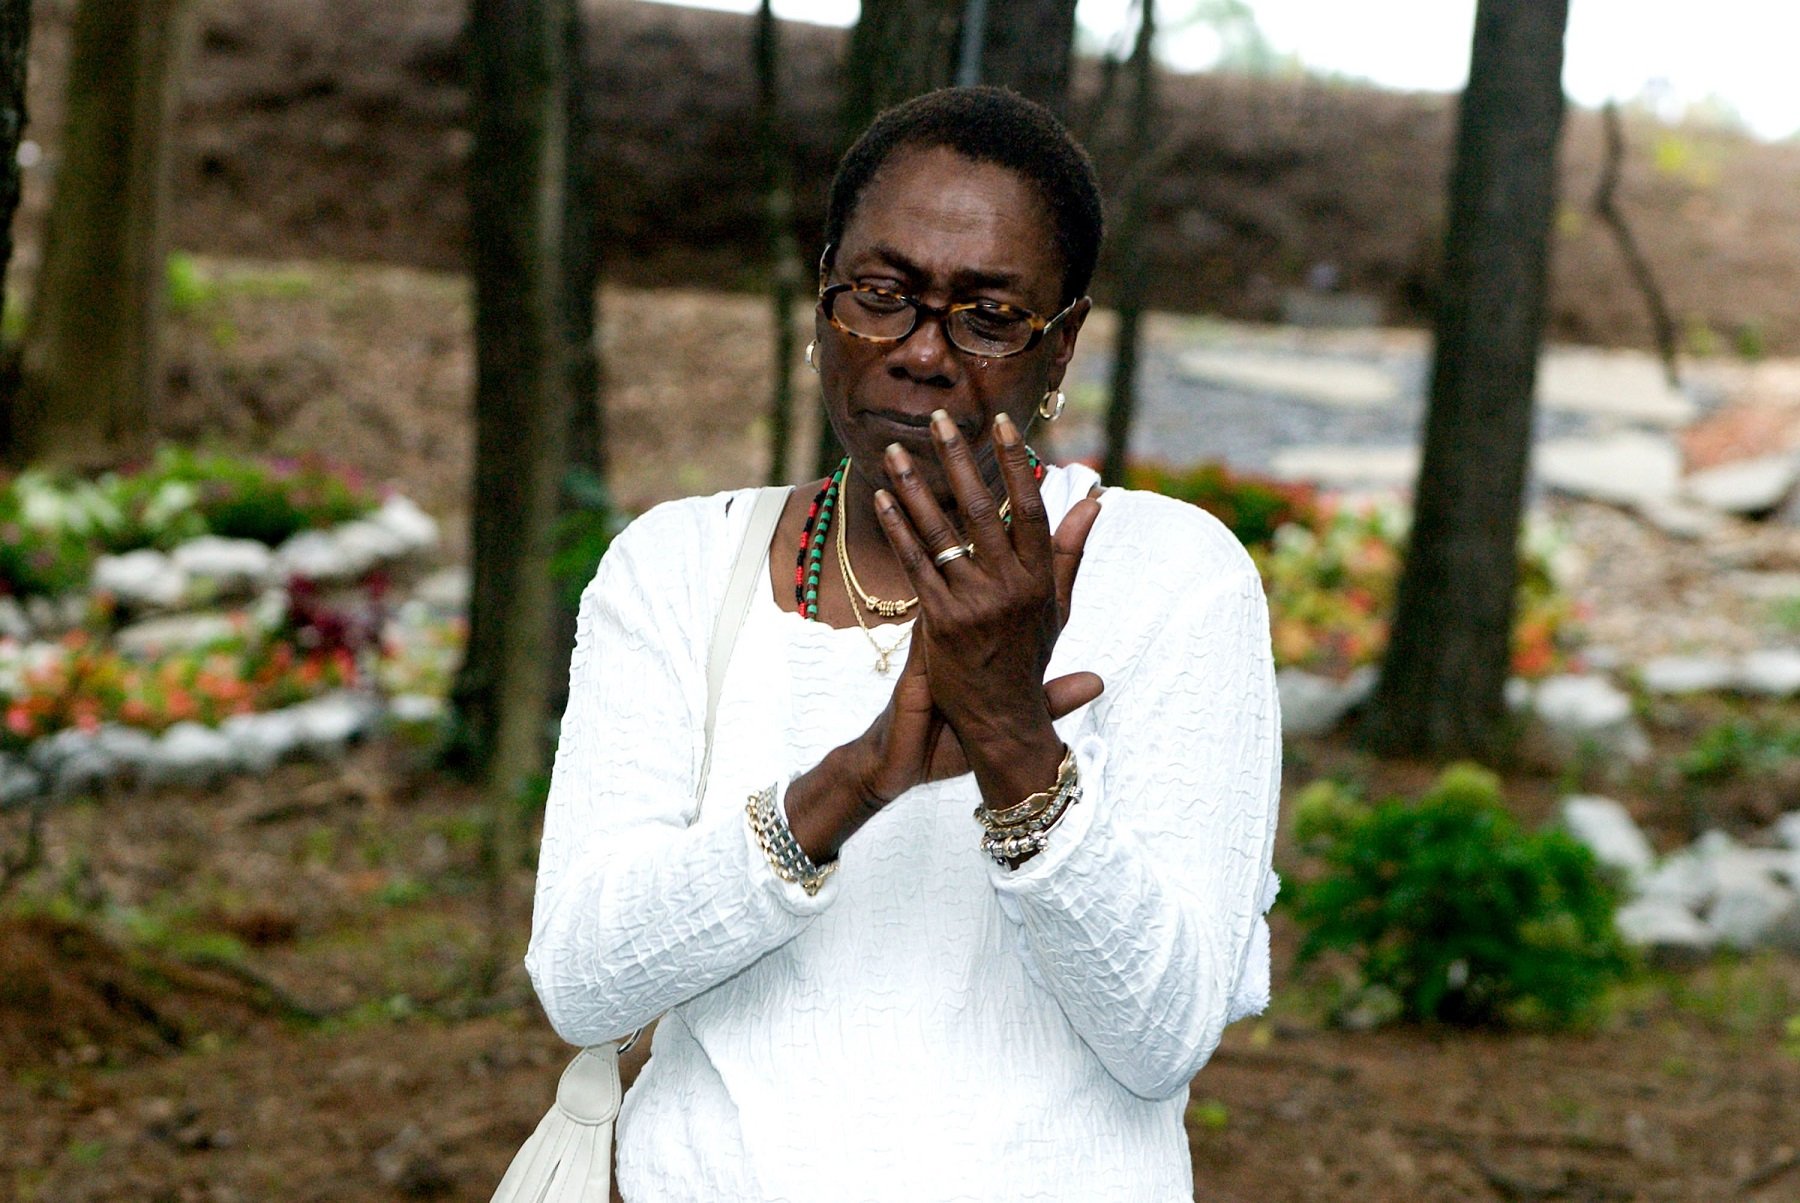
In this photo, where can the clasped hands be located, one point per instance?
(972, 694)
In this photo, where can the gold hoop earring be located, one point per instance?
(1051, 407)
(810, 348)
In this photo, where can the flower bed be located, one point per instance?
(108, 669)
(1331, 570)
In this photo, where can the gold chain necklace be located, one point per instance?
(875, 605)
(884, 656)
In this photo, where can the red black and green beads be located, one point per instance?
(812, 542)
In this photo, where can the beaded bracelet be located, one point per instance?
(786, 856)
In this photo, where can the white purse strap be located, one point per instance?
(568, 1159)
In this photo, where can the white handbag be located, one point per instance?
(568, 1159)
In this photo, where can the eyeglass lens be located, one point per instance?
(875, 314)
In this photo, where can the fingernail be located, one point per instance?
(897, 456)
(884, 501)
(941, 423)
(1004, 430)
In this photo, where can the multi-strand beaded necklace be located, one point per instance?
(818, 526)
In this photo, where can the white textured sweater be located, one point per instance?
(930, 1026)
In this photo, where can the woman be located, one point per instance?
(867, 993)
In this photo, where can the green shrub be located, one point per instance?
(184, 493)
(38, 557)
(583, 532)
(1734, 749)
(1448, 905)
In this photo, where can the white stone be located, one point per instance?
(1348, 466)
(1627, 468)
(1750, 911)
(1749, 487)
(416, 530)
(145, 577)
(175, 633)
(1589, 713)
(1338, 383)
(260, 741)
(73, 752)
(1602, 658)
(191, 755)
(13, 622)
(1611, 384)
(1608, 830)
(269, 611)
(1312, 704)
(130, 747)
(1776, 586)
(231, 565)
(416, 708)
(1687, 674)
(327, 724)
(367, 544)
(446, 591)
(1773, 672)
(316, 556)
(1682, 878)
(1787, 830)
(42, 613)
(1665, 929)
(1681, 519)
(19, 782)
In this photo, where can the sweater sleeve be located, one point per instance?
(638, 908)
(1146, 921)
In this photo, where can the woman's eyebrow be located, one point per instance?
(960, 280)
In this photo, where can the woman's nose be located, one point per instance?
(926, 353)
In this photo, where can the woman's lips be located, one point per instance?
(906, 428)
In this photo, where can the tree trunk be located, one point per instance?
(1028, 47)
(517, 178)
(784, 253)
(15, 40)
(1442, 684)
(581, 267)
(90, 367)
(1128, 246)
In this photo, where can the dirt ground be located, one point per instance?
(275, 1005)
(353, 893)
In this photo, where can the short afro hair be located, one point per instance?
(988, 125)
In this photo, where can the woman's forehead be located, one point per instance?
(935, 212)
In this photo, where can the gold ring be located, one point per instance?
(955, 551)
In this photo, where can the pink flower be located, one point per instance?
(18, 720)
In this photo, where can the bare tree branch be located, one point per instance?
(1606, 207)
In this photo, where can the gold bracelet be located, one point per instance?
(1023, 812)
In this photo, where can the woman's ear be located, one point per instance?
(1064, 336)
